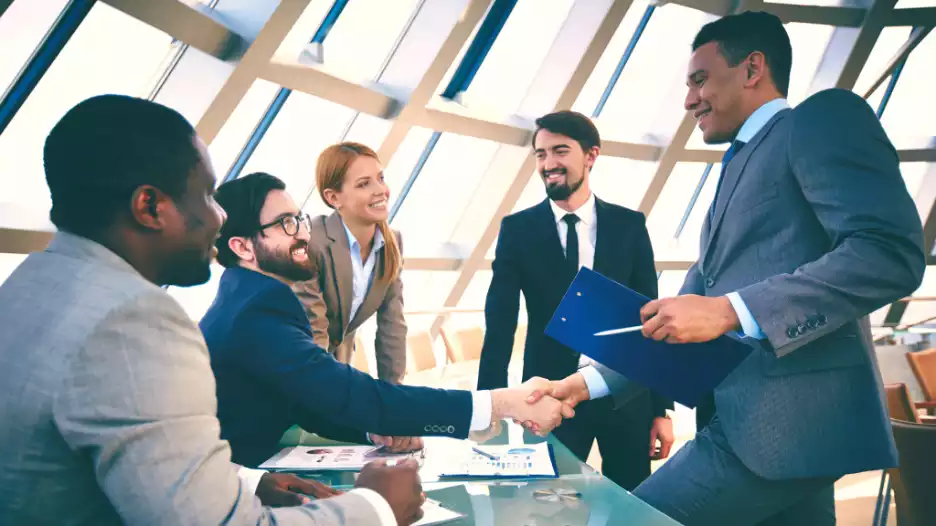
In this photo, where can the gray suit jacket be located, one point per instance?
(108, 404)
(815, 229)
(327, 301)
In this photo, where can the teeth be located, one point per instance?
(378, 204)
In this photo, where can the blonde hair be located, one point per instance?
(330, 172)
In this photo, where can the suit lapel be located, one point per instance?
(340, 253)
(732, 176)
(604, 245)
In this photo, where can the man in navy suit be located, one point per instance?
(539, 251)
(271, 375)
(811, 229)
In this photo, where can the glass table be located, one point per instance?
(579, 496)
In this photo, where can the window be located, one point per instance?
(670, 207)
(621, 181)
(517, 54)
(23, 29)
(196, 300)
(8, 263)
(109, 53)
(670, 282)
(887, 45)
(647, 101)
(229, 142)
(919, 311)
(910, 114)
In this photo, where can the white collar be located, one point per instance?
(759, 118)
(586, 213)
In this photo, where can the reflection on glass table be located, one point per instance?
(579, 496)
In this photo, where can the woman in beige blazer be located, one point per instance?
(358, 258)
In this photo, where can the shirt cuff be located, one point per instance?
(251, 478)
(749, 326)
(480, 410)
(384, 512)
(597, 386)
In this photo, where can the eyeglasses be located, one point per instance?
(290, 224)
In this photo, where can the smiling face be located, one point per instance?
(363, 196)
(718, 92)
(562, 164)
(277, 252)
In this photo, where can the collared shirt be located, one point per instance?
(362, 271)
(749, 129)
(586, 228)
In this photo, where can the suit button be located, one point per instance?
(792, 333)
(802, 329)
(451, 429)
(427, 429)
(820, 319)
(709, 282)
(812, 323)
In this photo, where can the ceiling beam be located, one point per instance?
(917, 36)
(316, 82)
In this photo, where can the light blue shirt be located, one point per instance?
(362, 271)
(597, 387)
(753, 124)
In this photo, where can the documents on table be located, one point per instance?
(503, 461)
(333, 458)
(435, 513)
(594, 304)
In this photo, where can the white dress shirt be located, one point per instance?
(362, 271)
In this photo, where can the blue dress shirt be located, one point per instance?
(362, 271)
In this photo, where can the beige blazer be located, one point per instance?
(327, 301)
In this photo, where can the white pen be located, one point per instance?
(622, 330)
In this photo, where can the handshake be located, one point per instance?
(538, 404)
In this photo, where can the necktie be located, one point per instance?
(729, 155)
(572, 243)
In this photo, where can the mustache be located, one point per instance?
(554, 171)
(298, 244)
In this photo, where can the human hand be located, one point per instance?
(399, 485)
(662, 431)
(397, 444)
(286, 489)
(544, 414)
(688, 319)
(570, 391)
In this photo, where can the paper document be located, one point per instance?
(333, 458)
(595, 305)
(435, 513)
(519, 461)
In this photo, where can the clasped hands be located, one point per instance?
(539, 404)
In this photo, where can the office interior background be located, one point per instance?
(446, 91)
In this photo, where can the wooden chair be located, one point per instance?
(923, 365)
(916, 444)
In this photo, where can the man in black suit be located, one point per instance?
(539, 251)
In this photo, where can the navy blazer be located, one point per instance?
(270, 375)
(529, 258)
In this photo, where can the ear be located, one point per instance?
(331, 198)
(150, 207)
(591, 156)
(242, 248)
(755, 69)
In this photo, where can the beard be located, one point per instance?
(192, 267)
(282, 264)
(561, 191)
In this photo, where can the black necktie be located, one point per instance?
(572, 245)
(729, 155)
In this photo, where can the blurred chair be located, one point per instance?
(923, 365)
(916, 444)
(421, 357)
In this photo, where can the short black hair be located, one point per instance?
(106, 147)
(242, 200)
(744, 33)
(572, 124)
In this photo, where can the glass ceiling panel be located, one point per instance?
(401, 165)
(884, 49)
(910, 113)
(596, 83)
(670, 282)
(8, 263)
(444, 188)
(918, 311)
(22, 29)
(229, 142)
(809, 42)
(517, 54)
(304, 127)
(647, 101)
(364, 36)
(621, 181)
(109, 53)
(666, 214)
(901, 4)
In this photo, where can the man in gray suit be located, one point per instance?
(811, 229)
(108, 396)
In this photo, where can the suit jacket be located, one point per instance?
(327, 301)
(271, 375)
(529, 259)
(815, 229)
(109, 407)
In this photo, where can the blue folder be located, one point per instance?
(683, 372)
